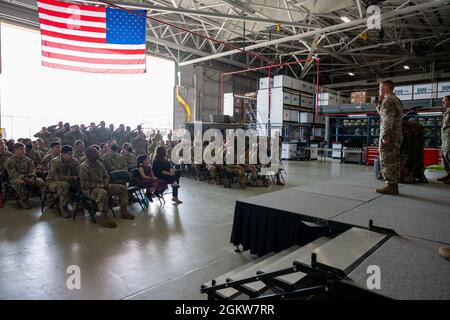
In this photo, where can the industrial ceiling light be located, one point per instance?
(406, 67)
(351, 74)
(345, 19)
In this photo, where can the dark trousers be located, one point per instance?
(172, 179)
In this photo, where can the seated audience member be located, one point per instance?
(116, 165)
(63, 177)
(103, 149)
(42, 146)
(33, 154)
(56, 152)
(147, 179)
(4, 155)
(79, 150)
(94, 181)
(10, 145)
(22, 174)
(162, 169)
(127, 154)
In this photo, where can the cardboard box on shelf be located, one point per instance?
(306, 117)
(360, 97)
(306, 101)
(282, 81)
(287, 98)
(319, 119)
(294, 116)
(286, 115)
(295, 84)
(264, 83)
(295, 100)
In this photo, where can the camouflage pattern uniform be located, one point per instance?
(130, 159)
(78, 155)
(35, 156)
(4, 155)
(46, 161)
(113, 162)
(72, 136)
(94, 182)
(47, 137)
(20, 168)
(151, 148)
(140, 145)
(59, 178)
(445, 136)
(390, 111)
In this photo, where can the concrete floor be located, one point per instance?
(165, 253)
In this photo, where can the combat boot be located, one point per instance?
(390, 188)
(64, 212)
(445, 252)
(444, 179)
(106, 221)
(125, 215)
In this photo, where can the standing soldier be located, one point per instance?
(95, 184)
(445, 137)
(390, 112)
(22, 174)
(140, 143)
(74, 135)
(45, 135)
(63, 177)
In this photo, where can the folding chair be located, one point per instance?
(89, 204)
(44, 199)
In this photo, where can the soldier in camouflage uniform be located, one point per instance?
(128, 156)
(95, 184)
(4, 155)
(63, 177)
(116, 165)
(45, 136)
(235, 168)
(73, 135)
(79, 150)
(445, 137)
(390, 111)
(56, 152)
(140, 144)
(22, 174)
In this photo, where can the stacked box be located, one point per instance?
(306, 117)
(294, 116)
(287, 98)
(264, 83)
(282, 81)
(360, 97)
(295, 100)
(328, 99)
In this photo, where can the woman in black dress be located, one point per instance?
(162, 169)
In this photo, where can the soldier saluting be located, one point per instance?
(390, 111)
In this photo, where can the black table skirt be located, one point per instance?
(262, 230)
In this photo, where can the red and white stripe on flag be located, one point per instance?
(74, 38)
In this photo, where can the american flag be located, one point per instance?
(91, 39)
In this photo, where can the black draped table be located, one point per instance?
(262, 230)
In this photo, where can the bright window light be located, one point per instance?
(345, 19)
(33, 96)
(351, 74)
(406, 67)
